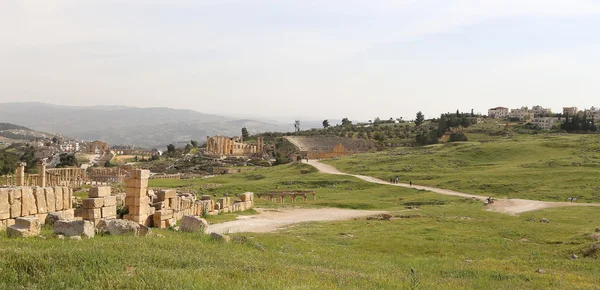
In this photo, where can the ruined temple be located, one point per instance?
(232, 146)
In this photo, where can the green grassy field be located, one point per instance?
(543, 166)
(450, 242)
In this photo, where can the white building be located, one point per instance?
(592, 112)
(498, 112)
(571, 111)
(539, 111)
(545, 123)
(523, 114)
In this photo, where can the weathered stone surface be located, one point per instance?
(140, 210)
(220, 238)
(40, 199)
(25, 227)
(136, 201)
(544, 220)
(4, 203)
(110, 201)
(74, 228)
(67, 198)
(205, 197)
(14, 195)
(91, 213)
(28, 206)
(50, 199)
(193, 224)
(120, 227)
(141, 174)
(93, 202)
(100, 191)
(137, 184)
(58, 192)
(65, 215)
(109, 211)
(165, 194)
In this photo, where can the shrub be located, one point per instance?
(458, 137)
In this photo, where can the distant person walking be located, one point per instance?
(410, 182)
(397, 180)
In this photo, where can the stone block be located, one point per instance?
(193, 224)
(100, 191)
(135, 192)
(225, 202)
(25, 227)
(160, 224)
(40, 199)
(165, 194)
(67, 198)
(14, 195)
(140, 210)
(141, 174)
(4, 204)
(75, 228)
(50, 199)
(247, 196)
(41, 217)
(15, 209)
(171, 222)
(28, 206)
(137, 184)
(91, 213)
(110, 201)
(58, 192)
(109, 211)
(164, 214)
(137, 201)
(159, 205)
(10, 222)
(93, 202)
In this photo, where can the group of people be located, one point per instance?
(396, 180)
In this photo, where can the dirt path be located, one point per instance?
(508, 206)
(272, 220)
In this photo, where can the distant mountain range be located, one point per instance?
(148, 127)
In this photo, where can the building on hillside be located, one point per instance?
(545, 123)
(96, 147)
(571, 111)
(233, 146)
(539, 111)
(523, 114)
(592, 112)
(498, 112)
(326, 147)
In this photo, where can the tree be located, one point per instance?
(67, 160)
(171, 148)
(245, 133)
(195, 143)
(420, 119)
(188, 148)
(135, 159)
(326, 124)
(346, 122)
(379, 136)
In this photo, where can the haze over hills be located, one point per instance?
(148, 127)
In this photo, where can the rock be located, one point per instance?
(544, 220)
(159, 236)
(193, 224)
(24, 227)
(240, 239)
(220, 238)
(524, 240)
(596, 236)
(598, 230)
(77, 238)
(52, 217)
(540, 271)
(381, 217)
(574, 257)
(531, 220)
(74, 228)
(121, 227)
(60, 237)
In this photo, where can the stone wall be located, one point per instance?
(33, 201)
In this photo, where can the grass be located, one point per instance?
(544, 167)
(449, 242)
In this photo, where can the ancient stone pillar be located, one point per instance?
(21, 174)
(42, 173)
(208, 149)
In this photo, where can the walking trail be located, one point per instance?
(508, 206)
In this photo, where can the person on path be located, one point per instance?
(410, 182)
(397, 180)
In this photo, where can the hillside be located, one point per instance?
(14, 133)
(149, 127)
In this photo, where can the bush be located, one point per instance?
(458, 137)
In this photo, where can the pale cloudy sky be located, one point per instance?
(302, 58)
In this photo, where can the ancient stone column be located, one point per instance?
(208, 149)
(21, 174)
(42, 173)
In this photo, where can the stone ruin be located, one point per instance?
(24, 209)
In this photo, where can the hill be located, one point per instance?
(148, 127)
(10, 133)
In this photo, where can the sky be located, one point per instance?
(302, 59)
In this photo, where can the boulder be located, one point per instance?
(191, 223)
(24, 227)
(544, 220)
(121, 227)
(65, 215)
(220, 238)
(74, 228)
